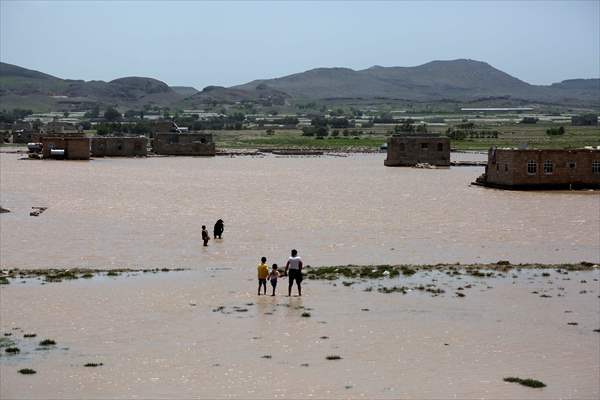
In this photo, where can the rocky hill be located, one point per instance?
(463, 80)
(21, 87)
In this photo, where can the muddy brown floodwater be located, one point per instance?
(203, 333)
(148, 212)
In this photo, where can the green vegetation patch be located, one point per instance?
(27, 371)
(12, 350)
(62, 274)
(526, 382)
(47, 342)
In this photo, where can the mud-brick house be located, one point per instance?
(69, 148)
(119, 146)
(542, 169)
(183, 144)
(409, 150)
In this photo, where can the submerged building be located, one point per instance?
(119, 146)
(183, 144)
(409, 150)
(68, 148)
(542, 169)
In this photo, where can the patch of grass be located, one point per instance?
(305, 314)
(333, 357)
(27, 371)
(393, 289)
(29, 335)
(4, 280)
(526, 382)
(12, 350)
(93, 365)
(5, 342)
(47, 342)
(112, 273)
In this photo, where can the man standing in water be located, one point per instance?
(218, 230)
(294, 266)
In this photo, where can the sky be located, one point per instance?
(194, 43)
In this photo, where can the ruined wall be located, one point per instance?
(411, 150)
(184, 144)
(543, 168)
(75, 148)
(119, 146)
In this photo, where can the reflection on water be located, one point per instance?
(148, 212)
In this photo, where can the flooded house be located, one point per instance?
(525, 169)
(119, 146)
(410, 150)
(68, 148)
(183, 144)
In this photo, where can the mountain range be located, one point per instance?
(437, 81)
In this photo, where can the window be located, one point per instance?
(203, 140)
(572, 164)
(505, 167)
(424, 146)
(596, 167)
(548, 167)
(440, 147)
(531, 167)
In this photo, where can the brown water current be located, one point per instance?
(148, 212)
(203, 333)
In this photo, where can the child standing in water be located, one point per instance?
(263, 273)
(273, 277)
(205, 237)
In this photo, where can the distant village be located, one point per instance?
(84, 135)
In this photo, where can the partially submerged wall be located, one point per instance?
(119, 146)
(184, 144)
(412, 150)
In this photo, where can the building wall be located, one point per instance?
(184, 144)
(569, 167)
(75, 148)
(119, 146)
(411, 150)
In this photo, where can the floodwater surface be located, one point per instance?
(334, 210)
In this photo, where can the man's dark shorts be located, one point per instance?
(295, 274)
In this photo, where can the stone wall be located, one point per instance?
(411, 150)
(184, 144)
(543, 168)
(119, 146)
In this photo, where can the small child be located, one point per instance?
(263, 273)
(205, 237)
(273, 277)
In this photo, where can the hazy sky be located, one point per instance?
(204, 43)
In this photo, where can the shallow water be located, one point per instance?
(159, 337)
(149, 212)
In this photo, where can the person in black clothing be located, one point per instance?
(219, 228)
(205, 237)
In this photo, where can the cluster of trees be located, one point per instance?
(16, 114)
(408, 126)
(529, 120)
(556, 131)
(116, 128)
(335, 122)
(462, 134)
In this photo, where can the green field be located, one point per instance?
(510, 135)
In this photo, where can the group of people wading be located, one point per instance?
(293, 270)
(293, 267)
